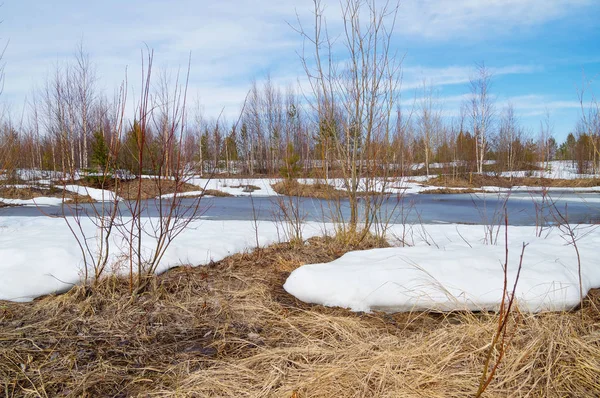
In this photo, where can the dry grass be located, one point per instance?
(36, 192)
(450, 191)
(317, 190)
(152, 188)
(478, 180)
(217, 193)
(247, 187)
(229, 330)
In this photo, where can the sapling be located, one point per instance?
(507, 306)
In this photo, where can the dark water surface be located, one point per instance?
(455, 208)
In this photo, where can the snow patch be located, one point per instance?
(453, 276)
(39, 255)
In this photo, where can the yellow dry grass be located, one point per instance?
(28, 193)
(230, 330)
(450, 191)
(480, 180)
(317, 190)
(152, 188)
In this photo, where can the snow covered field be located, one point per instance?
(439, 271)
(236, 186)
(556, 169)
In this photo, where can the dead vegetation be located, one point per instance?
(216, 193)
(28, 193)
(150, 189)
(229, 329)
(450, 191)
(317, 190)
(481, 180)
(247, 187)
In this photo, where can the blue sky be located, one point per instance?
(537, 49)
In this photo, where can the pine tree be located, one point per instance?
(100, 151)
(291, 167)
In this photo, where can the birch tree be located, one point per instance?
(482, 111)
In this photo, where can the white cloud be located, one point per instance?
(414, 76)
(234, 41)
(476, 19)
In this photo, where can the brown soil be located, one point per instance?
(229, 329)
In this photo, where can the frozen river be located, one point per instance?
(425, 208)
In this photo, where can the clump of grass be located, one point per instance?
(28, 193)
(152, 188)
(128, 189)
(216, 193)
(291, 187)
(450, 191)
(79, 199)
(229, 329)
(247, 187)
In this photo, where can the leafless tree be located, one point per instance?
(429, 123)
(590, 119)
(545, 137)
(85, 97)
(508, 136)
(355, 97)
(6, 143)
(482, 112)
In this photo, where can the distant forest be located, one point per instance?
(71, 125)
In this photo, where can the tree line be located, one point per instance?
(72, 125)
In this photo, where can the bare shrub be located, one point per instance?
(353, 102)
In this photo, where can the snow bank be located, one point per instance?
(99, 195)
(41, 201)
(237, 186)
(39, 255)
(556, 169)
(184, 194)
(395, 185)
(453, 276)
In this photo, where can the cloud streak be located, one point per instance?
(233, 42)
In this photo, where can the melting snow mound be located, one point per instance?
(454, 277)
